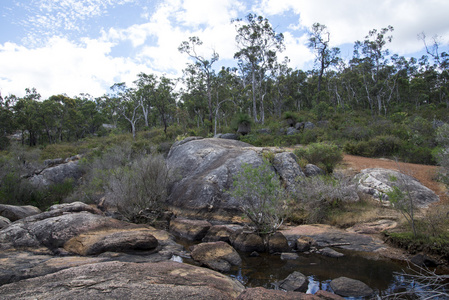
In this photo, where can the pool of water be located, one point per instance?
(268, 270)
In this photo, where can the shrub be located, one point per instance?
(323, 155)
(139, 190)
(320, 194)
(261, 196)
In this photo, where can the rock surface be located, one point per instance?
(325, 235)
(207, 168)
(278, 243)
(218, 256)
(296, 281)
(377, 182)
(221, 233)
(163, 280)
(194, 230)
(331, 253)
(4, 222)
(348, 287)
(56, 174)
(247, 242)
(14, 213)
(115, 240)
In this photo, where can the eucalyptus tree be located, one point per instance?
(165, 101)
(203, 67)
(258, 44)
(7, 123)
(372, 57)
(25, 112)
(129, 105)
(146, 86)
(325, 56)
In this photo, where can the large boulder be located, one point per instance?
(14, 213)
(348, 287)
(126, 280)
(53, 228)
(56, 174)
(378, 182)
(285, 164)
(219, 256)
(207, 167)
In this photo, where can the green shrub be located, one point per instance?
(262, 198)
(326, 156)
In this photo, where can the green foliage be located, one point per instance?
(324, 155)
(262, 198)
(241, 118)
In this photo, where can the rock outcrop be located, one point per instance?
(163, 280)
(377, 182)
(207, 168)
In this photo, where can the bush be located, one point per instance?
(320, 194)
(139, 190)
(326, 156)
(262, 198)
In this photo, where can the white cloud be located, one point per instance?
(63, 67)
(350, 20)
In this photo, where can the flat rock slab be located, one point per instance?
(348, 287)
(119, 280)
(325, 235)
(261, 293)
(114, 240)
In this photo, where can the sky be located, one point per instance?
(85, 46)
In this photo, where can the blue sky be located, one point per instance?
(85, 46)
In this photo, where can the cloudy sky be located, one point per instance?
(85, 46)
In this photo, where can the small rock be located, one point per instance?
(424, 261)
(194, 230)
(254, 254)
(248, 242)
(304, 243)
(278, 243)
(348, 287)
(331, 253)
(220, 233)
(296, 281)
(289, 256)
(311, 170)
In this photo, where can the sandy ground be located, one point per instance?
(424, 173)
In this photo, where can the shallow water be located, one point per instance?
(268, 270)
